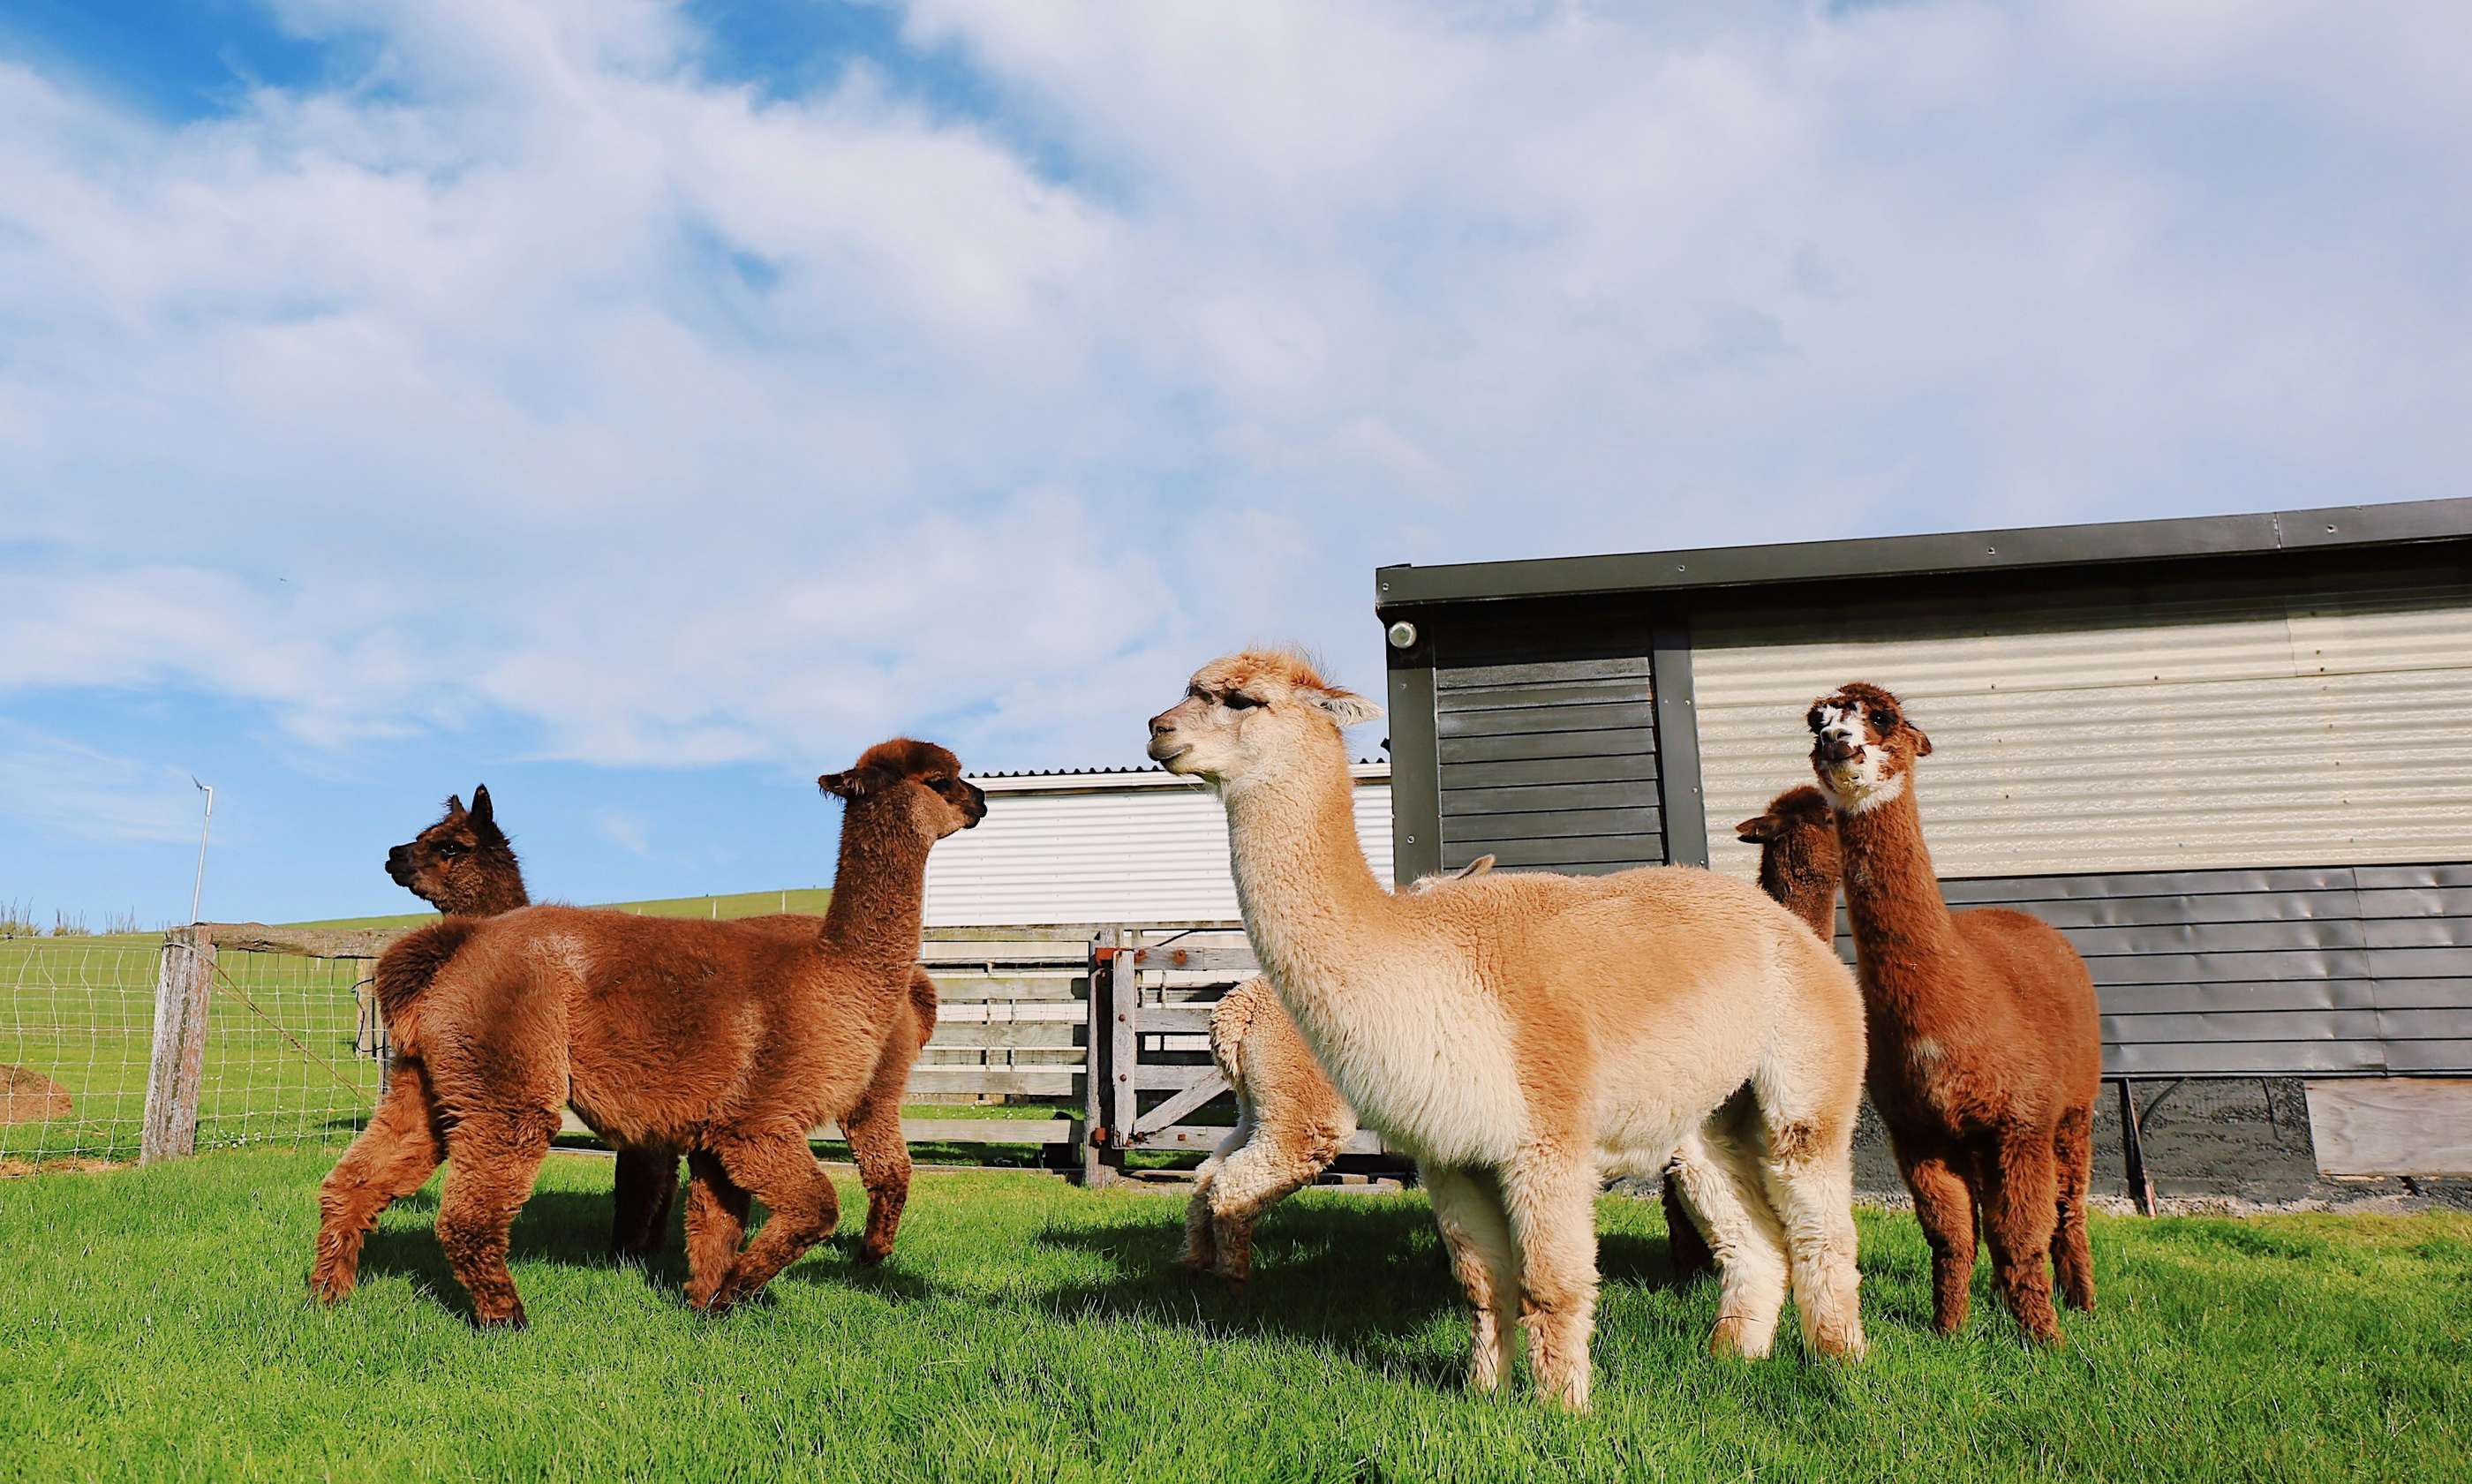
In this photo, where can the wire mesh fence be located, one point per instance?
(287, 1050)
(288, 1059)
(77, 1019)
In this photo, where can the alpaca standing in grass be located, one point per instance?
(1797, 842)
(1525, 1034)
(1986, 1044)
(728, 1040)
(465, 865)
(1291, 1123)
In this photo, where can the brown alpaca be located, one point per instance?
(728, 1040)
(1987, 1051)
(465, 865)
(1797, 842)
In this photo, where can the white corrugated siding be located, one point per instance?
(1147, 854)
(2125, 726)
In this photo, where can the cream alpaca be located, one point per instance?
(1527, 1034)
(1290, 1121)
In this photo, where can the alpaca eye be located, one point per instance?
(450, 848)
(1239, 702)
(1814, 722)
(1884, 720)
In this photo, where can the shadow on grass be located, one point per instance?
(1362, 1281)
(571, 1228)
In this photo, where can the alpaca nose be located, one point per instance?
(1160, 726)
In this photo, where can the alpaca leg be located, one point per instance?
(716, 1223)
(1477, 1235)
(1813, 1191)
(780, 1171)
(2073, 1152)
(1944, 1206)
(1687, 1249)
(392, 1158)
(873, 1129)
(1720, 1184)
(1200, 1250)
(1268, 1170)
(493, 1157)
(2021, 1210)
(647, 1184)
(1552, 1202)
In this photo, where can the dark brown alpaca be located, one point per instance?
(465, 865)
(1987, 1051)
(728, 1040)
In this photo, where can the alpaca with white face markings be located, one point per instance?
(1526, 1034)
(1987, 1051)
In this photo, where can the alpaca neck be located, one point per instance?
(1809, 895)
(1903, 931)
(501, 889)
(879, 889)
(1308, 896)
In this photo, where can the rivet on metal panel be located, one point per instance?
(1180, 959)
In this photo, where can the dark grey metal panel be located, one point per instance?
(1551, 854)
(1639, 793)
(1540, 744)
(1627, 825)
(1522, 720)
(1545, 739)
(1978, 551)
(1416, 824)
(1514, 773)
(1678, 739)
(2318, 971)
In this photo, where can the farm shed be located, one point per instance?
(1109, 846)
(2225, 755)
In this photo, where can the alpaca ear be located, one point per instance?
(1758, 830)
(1922, 741)
(1476, 867)
(455, 803)
(481, 813)
(1345, 707)
(856, 784)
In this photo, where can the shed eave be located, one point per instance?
(2106, 543)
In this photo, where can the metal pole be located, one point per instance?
(2132, 1141)
(197, 888)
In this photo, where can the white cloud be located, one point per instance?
(539, 374)
(52, 785)
(626, 830)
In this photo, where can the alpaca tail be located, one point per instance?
(922, 1003)
(406, 968)
(1229, 1020)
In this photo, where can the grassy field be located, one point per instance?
(152, 1324)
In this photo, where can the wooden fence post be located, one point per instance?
(1094, 1042)
(1125, 1057)
(184, 972)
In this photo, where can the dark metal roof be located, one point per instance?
(2040, 546)
(1098, 772)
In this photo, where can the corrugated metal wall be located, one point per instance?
(2314, 972)
(1153, 852)
(2111, 724)
(1547, 762)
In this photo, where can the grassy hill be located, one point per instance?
(738, 904)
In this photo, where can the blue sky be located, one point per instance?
(642, 407)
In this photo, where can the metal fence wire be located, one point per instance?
(287, 1056)
(77, 1019)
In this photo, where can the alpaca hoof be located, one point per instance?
(1739, 1339)
(1840, 1345)
(513, 1319)
(330, 1289)
(872, 1255)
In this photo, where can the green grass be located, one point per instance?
(153, 1325)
